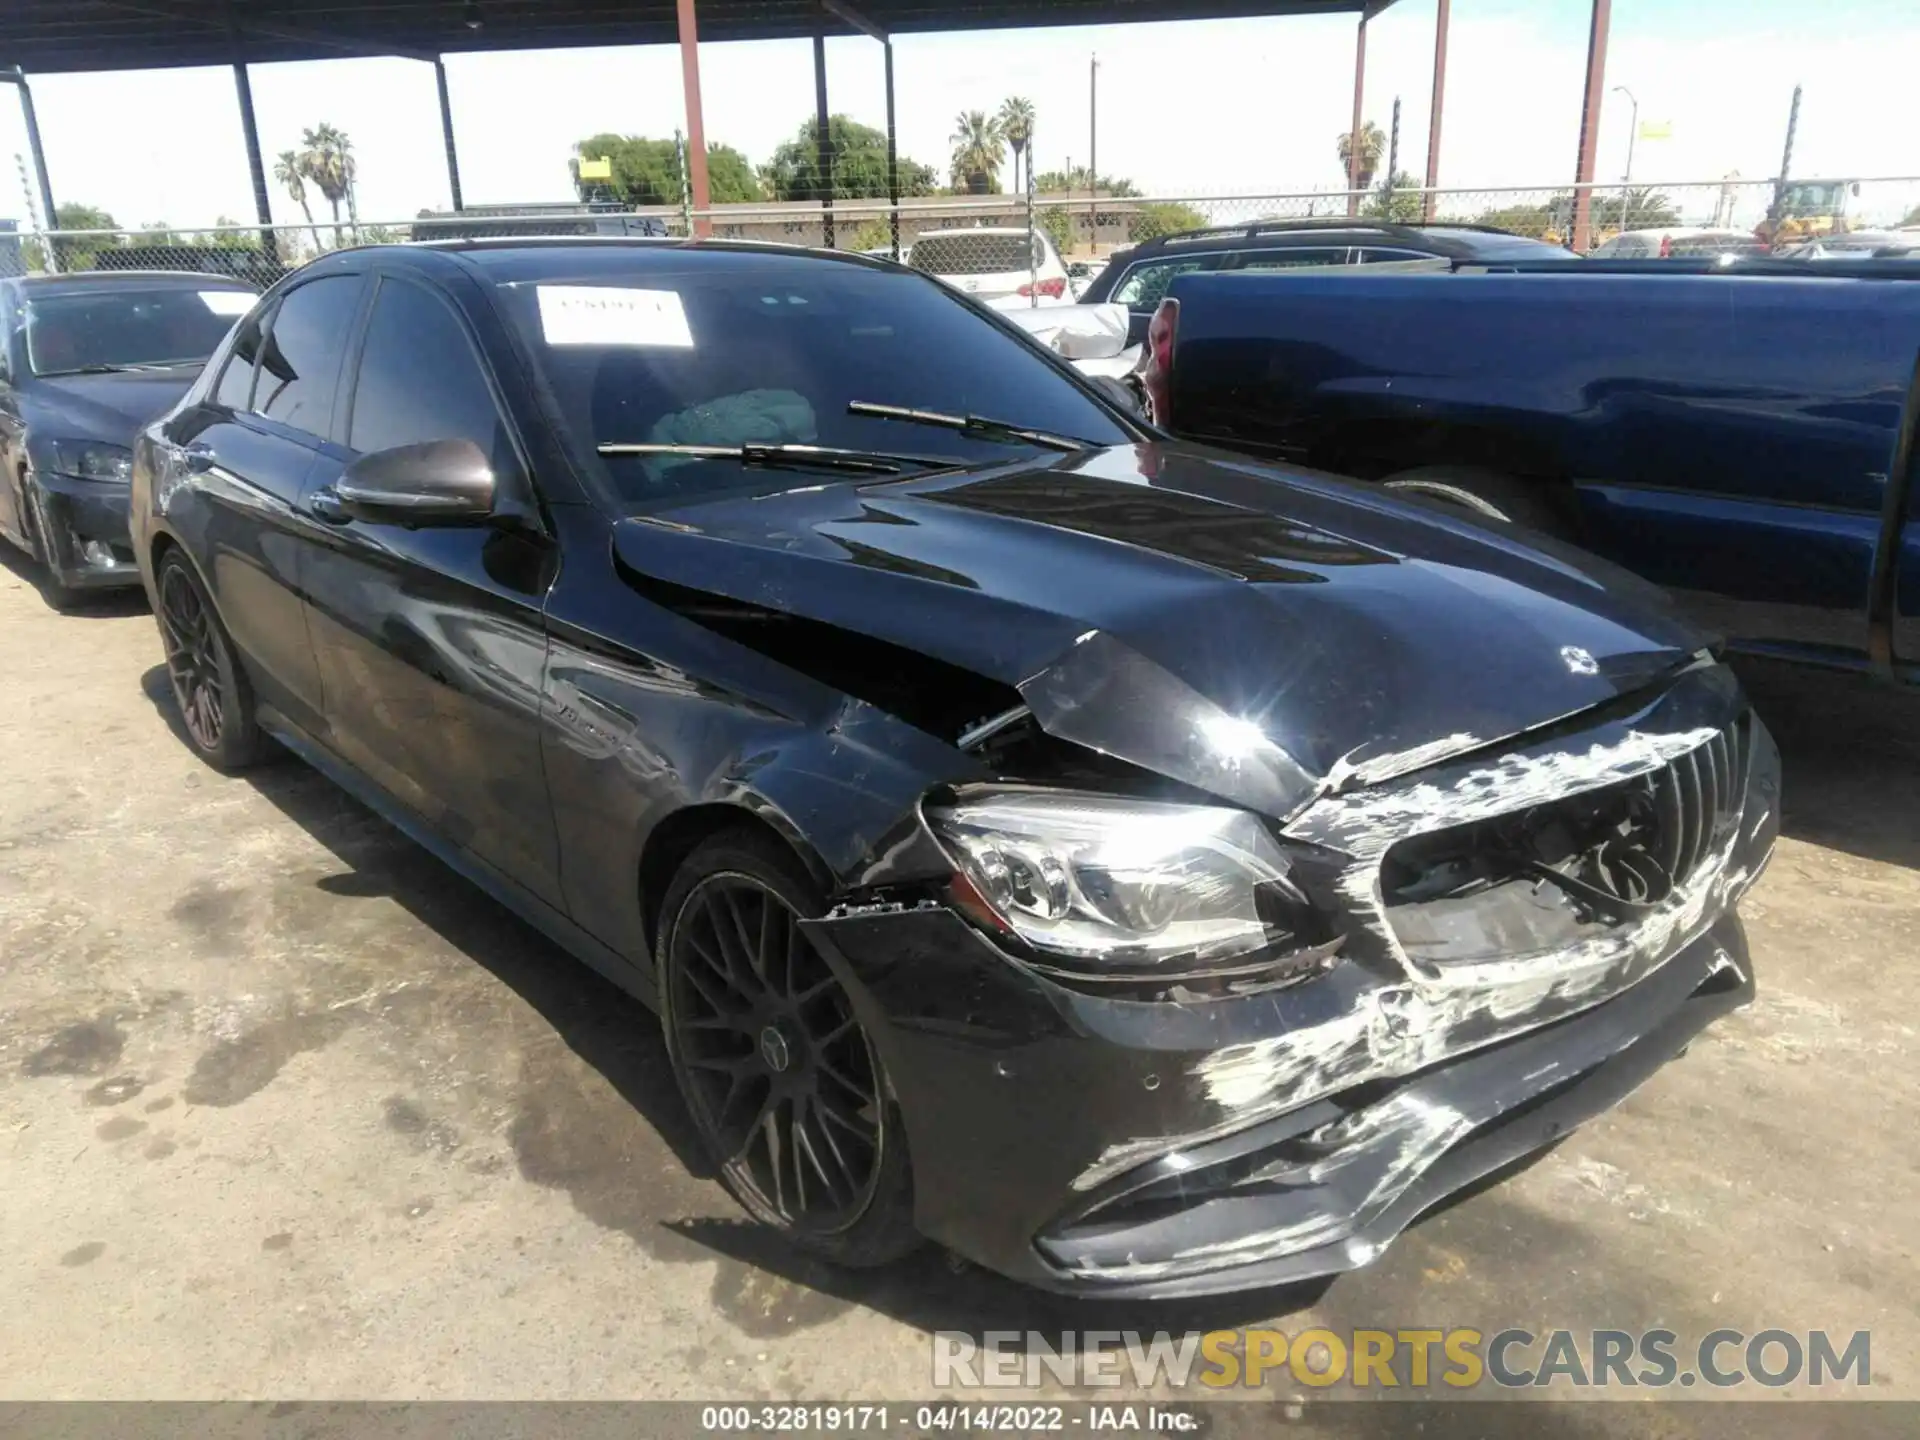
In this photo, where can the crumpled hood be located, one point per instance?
(108, 408)
(1261, 632)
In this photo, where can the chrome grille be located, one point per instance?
(1697, 799)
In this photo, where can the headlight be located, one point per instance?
(1138, 885)
(91, 460)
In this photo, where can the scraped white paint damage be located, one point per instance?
(1400, 1027)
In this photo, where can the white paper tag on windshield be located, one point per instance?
(612, 315)
(228, 302)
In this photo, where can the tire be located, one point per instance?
(209, 686)
(783, 1084)
(1490, 493)
(60, 595)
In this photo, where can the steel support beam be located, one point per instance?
(17, 78)
(446, 132)
(893, 162)
(823, 137)
(696, 126)
(1359, 95)
(256, 167)
(1590, 123)
(1439, 102)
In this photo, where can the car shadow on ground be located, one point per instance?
(619, 1037)
(93, 604)
(1850, 758)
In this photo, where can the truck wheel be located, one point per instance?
(1487, 492)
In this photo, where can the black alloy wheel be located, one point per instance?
(781, 1078)
(207, 684)
(193, 664)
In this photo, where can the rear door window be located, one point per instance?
(300, 361)
(1292, 257)
(235, 390)
(1146, 284)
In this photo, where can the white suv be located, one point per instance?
(993, 263)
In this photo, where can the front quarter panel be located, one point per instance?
(647, 713)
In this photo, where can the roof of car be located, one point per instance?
(1440, 236)
(507, 259)
(141, 279)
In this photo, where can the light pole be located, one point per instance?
(1633, 131)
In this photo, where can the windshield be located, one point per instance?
(728, 349)
(109, 328)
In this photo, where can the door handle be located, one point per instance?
(325, 507)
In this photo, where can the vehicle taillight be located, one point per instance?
(1666, 247)
(1156, 362)
(1054, 286)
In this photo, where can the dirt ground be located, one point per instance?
(288, 1110)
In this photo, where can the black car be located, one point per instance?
(1138, 868)
(1138, 277)
(85, 361)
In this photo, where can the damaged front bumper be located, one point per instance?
(1127, 1147)
(84, 538)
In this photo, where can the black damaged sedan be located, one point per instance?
(1143, 870)
(85, 361)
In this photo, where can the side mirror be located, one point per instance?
(437, 482)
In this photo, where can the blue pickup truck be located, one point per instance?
(1745, 441)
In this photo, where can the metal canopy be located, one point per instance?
(42, 36)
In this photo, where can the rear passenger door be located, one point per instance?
(251, 444)
(431, 639)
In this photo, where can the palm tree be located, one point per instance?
(1016, 123)
(288, 172)
(1373, 144)
(979, 146)
(327, 161)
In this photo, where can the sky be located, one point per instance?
(1196, 108)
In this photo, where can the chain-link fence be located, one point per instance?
(1039, 239)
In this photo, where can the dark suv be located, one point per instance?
(1138, 278)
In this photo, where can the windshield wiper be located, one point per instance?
(977, 425)
(794, 457)
(98, 370)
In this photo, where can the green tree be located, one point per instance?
(288, 170)
(1912, 218)
(77, 253)
(647, 172)
(1396, 201)
(1373, 145)
(1058, 224)
(1152, 221)
(226, 235)
(326, 159)
(1016, 124)
(979, 149)
(1548, 221)
(1642, 208)
(1078, 181)
(859, 155)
